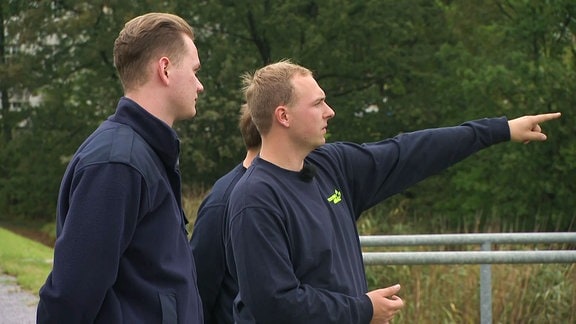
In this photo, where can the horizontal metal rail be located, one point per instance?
(469, 257)
(462, 239)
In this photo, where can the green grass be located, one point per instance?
(27, 260)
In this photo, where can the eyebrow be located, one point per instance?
(320, 99)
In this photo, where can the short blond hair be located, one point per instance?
(268, 88)
(144, 38)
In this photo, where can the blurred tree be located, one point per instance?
(387, 67)
(511, 58)
(364, 54)
(65, 56)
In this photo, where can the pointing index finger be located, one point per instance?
(546, 117)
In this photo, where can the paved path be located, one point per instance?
(16, 305)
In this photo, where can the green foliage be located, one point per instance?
(547, 295)
(387, 67)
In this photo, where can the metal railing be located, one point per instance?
(485, 257)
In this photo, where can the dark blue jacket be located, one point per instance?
(121, 253)
(294, 243)
(215, 283)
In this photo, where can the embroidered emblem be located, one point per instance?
(336, 197)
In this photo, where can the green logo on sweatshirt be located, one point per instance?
(336, 197)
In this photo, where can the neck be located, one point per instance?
(283, 156)
(250, 155)
(282, 150)
(152, 104)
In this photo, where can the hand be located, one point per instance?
(526, 128)
(385, 303)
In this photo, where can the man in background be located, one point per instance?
(209, 237)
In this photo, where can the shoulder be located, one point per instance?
(229, 179)
(222, 188)
(336, 150)
(335, 155)
(117, 143)
(259, 183)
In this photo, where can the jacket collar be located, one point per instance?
(161, 137)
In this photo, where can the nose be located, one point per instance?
(199, 87)
(330, 113)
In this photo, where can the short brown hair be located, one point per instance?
(250, 134)
(144, 38)
(268, 88)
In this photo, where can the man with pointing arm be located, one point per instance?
(294, 246)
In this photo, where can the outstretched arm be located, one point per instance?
(527, 128)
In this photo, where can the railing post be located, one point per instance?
(486, 288)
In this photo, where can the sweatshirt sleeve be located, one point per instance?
(208, 250)
(104, 204)
(269, 286)
(390, 166)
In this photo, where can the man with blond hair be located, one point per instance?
(294, 248)
(121, 253)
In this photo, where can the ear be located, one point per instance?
(162, 69)
(281, 116)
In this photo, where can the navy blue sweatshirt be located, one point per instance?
(215, 283)
(122, 253)
(294, 243)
